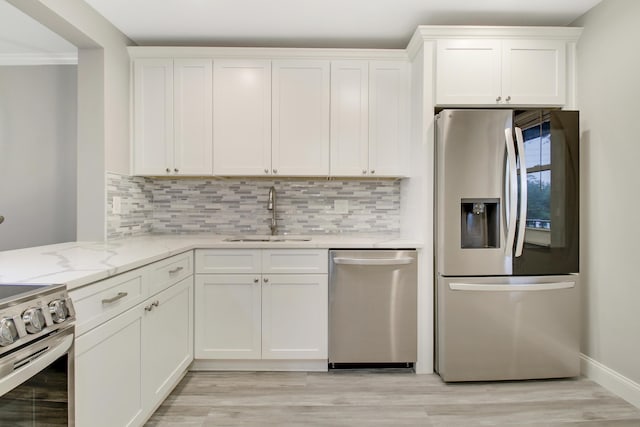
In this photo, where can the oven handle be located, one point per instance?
(27, 362)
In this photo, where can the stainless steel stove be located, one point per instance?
(30, 311)
(36, 352)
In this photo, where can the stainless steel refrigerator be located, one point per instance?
(507, 225)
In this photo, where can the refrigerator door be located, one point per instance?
(476, 192)
(507, 328)
(548, 212)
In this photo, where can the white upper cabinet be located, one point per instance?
(231, 115)
(369, 118)
(388, 118)
(300, 118)
(172, 108)
(153, 116)
(500, 72)
(242, 117)
(193, 101)
(534, 71)
(349, 118)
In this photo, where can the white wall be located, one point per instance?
(608, 69)
(416, 210)
(37, 155)
(103, 101)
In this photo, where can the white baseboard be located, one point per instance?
(611, 380)
(260, 365)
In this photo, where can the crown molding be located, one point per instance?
(136, 52)
(38, 59)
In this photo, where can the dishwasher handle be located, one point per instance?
(373, 261)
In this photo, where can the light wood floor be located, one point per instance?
(386, 398)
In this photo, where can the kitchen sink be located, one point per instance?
(267, 239)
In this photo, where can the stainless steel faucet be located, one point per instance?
(271, 205)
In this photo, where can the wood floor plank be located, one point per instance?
(386, 397)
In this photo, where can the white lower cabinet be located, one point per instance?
(127, 365)
(228, 316)
(108, 373)
(294, 316)
(258, 314)
(167, 341)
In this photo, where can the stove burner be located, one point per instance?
(11, 290)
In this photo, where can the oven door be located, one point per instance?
(36, 383)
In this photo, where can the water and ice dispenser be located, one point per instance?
(480, 223)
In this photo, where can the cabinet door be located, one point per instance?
(228, 261)
(388, 118)
(295, 261)
(534, 72)
(468, 72)
(152, 116)
(167, 340)
(349, 118)
(228, 316)
(300, 118)
(242, 117)
(294, 316)
(193, 103)
(108, 373)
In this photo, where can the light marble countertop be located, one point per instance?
(79, 263)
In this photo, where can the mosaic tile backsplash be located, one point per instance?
(239, 205)
(136, 205)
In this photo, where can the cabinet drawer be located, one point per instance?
(170, 271)
(101, 301)
(295, 261)
(228, 261)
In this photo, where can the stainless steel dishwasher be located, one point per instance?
(372, 306)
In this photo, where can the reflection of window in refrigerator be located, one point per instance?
(536, 131)
(537, 142)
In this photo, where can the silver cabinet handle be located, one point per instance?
(175, 270)
(1, 219)
(265, 280)
(508, 98)
(153, 304)
(510, 287)
(364, 171)
(372, 261)
(266, 171)
(168, 170)
(256, 280)
(118, 296)
(498, 99)
(275, 171)
(373, 171)
(176, 170)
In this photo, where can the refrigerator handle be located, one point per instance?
(511, 192)
(507, 287)
(523, 193)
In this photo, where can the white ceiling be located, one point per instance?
(25, 41)
(286, 23)
(319, 23)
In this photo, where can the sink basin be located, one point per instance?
(267, 239)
